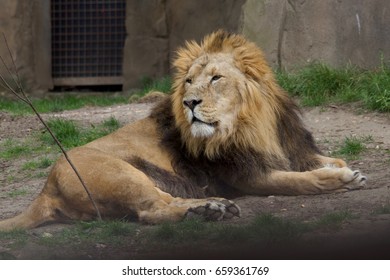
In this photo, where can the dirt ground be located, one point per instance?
(367, 233)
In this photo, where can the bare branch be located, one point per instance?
(21, 95)
(17, 81)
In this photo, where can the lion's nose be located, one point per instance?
(192, 103)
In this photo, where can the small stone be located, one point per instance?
(47, 235)
(100, 246)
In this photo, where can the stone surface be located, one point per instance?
(147, 45)
(26, 25)
(156, 28)
(290, 32)
(295, 32)
(192, 20)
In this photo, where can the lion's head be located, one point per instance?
(225, 94)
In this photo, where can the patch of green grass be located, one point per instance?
(264, 228)
(163, 85)
(42, 163)
(353, 146)
(71, 135)
(111, 232)
(275, 229)
(62, 102)
(375, 87)
(149, 85)
(17, 193)
(332, 220)
(384, 209)
(318, 84)
(15, 238)
(111, 124)
(10, 178)
(66, 132)
(66, 101)
(189, 229)
(13, 149)
(40, 174)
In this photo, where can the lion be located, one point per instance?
(227, 129)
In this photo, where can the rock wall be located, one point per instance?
(26, 26)
(290, 32)
(338, 32)
(157, 27)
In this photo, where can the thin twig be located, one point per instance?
(21, 95)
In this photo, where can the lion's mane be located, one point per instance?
(269, 133)
(267, 113)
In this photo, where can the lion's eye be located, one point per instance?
(189, 81)
(216, 78)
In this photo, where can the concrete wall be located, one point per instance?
(338, 32)
(291, 33)
(157, 27)
(26, 26)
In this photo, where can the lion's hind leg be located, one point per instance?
(42, 210)
(211, 209)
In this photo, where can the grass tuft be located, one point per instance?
(17, 193)
(15, 238)
(318, 84)
(353, 146)
(71, 135)
(149, 85)
(66, 132)
(333, 220)
(163, 85)
(61, 103)
(11, 148)
(86, 233)
(264, 228)
(37, 164)
(384, 209)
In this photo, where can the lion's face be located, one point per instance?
(211, 99)
(224, 96)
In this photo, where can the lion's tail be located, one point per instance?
(40, 211)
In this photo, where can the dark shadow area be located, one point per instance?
(87, 89)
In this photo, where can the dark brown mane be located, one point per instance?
(217, 174)
(296, 141)
(232, 165)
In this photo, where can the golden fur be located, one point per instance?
(253, 132)
(227, 129)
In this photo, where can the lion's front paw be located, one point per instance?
(356, 181)
(333, 179)
(215, 210)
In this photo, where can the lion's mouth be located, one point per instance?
(196, 120)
